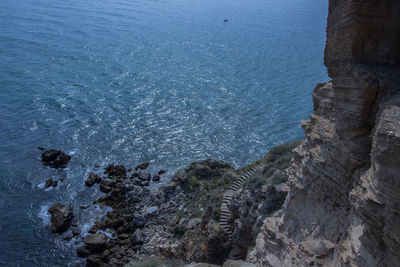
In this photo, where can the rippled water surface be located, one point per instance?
(165, 81)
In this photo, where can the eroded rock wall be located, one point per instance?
(343, 207)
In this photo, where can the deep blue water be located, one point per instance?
(165, 81)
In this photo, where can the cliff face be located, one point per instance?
(343, 207)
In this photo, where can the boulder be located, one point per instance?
(144, 176)
(156, 178)
(83, 251)
(160, 172)
(48, 183)
(135, 174)
(152, 210)
(106, 185)
(137, 237)
(61, 217)
(96, 242)
(138, 220)
(116, 171)
(142, 166)
(55, 158)
(94, 261)
(92, 179)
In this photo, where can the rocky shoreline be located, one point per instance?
(179, 220)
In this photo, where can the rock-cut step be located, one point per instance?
(226, 214)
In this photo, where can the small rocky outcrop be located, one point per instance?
(55, 158)
(115, 171)
(61, 217)
(92, 179)
(50, 182)
(142, 166)
(180, 219)
(96, 243)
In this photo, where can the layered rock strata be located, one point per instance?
(343, 205)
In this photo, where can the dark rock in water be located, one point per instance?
(94, 261)
(61, 217)
(135, 174)
(225, 20)
(160, 172)
(40, 148)
(84, 207)
(54, 184)
(141, 183)
(144, 176)
(96, 166)
(55, 158)
(68, 238)
(129, 170)
(144, 183)
(117, 171)
(83, 251)
(156, 178)
(92, 179)
(106, 185)
(104, 188)
(96, 242)
(49, 183)
(142, 166)
(76, 232)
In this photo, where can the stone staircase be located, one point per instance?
(226, 215)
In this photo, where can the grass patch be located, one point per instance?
(253, 164)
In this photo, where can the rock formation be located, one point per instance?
(55, 158)
(61, 217)
(343, 207)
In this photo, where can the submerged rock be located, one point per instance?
(156, 178)
(142, 166)
(61, 217)
(55, 158)
(92, 179)
(48, 183)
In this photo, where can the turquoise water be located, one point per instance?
(130, 81)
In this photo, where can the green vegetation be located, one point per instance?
(248, 167)
(278, 159)
(204, 191)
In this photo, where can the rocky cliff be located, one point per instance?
(343, 207)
